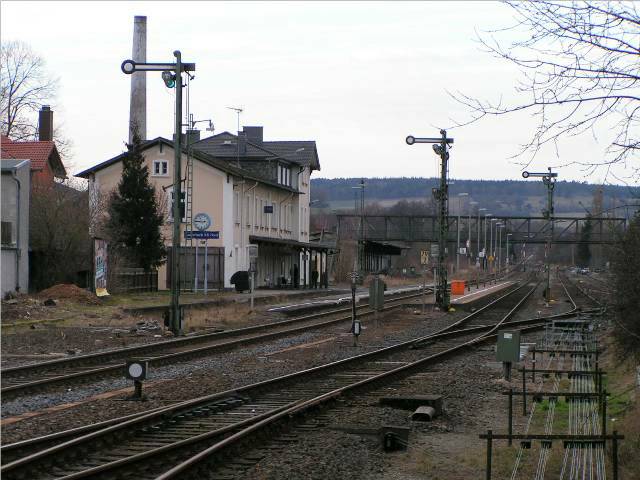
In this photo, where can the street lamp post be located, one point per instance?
(361, 266)
(507, 258)
(496, 251)
(484, 246)
(460, 195)
(478, 228)
(471, 204)
(499, 235)
(491, 250)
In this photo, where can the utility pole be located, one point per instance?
(469, 249)
(361, 235)
(507, 257)
(442, 196)
(460, 195)
(549, 180)
(499, 240)
(478, 228)
(171, 80)
(485, 260)
(491, 246)
(361, 239)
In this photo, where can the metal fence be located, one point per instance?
(190, 262)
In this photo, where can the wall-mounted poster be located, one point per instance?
(100, 267)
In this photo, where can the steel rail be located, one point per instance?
(230, 441)
(192, 404)
(139, 350)
(115, 368)
(86, 372)
(13, 451)
(300, 409)
(585, 294)
(575, 415)
(147, 348)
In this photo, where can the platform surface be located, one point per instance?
(475, 294)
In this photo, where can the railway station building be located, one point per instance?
(238, 190)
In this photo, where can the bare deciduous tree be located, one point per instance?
(580, 68)
(25, 85)
(59, 233)
(625, 265)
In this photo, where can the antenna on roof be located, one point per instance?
(238, 111)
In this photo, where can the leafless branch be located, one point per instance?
(580, 66)
(25, 86)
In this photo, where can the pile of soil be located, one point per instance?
(68, 291)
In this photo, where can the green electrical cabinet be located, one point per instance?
(508, 349)
(376, 294)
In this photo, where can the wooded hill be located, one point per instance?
(500, 197)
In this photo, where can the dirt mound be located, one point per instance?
(69, 291)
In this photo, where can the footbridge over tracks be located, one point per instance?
(529, 230)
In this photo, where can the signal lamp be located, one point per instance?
(169, 79)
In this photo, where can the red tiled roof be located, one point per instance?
(37, 152)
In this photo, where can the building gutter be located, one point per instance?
(18, 246)
(242, 220)
(280, 210)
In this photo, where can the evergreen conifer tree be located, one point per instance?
(135, 216)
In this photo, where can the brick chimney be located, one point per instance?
(253, 134)
(45, 124)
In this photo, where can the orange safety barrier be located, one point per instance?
(457, 287)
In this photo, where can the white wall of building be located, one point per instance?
(15, 210)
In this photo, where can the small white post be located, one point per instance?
(206, 266)
(424, 288)
(252, 283)
(435, 289)
(195, 280)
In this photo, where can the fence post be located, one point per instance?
(489, 440)
(510, 415)
(614, 454)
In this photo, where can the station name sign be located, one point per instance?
(189, 234)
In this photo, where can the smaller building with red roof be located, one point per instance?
(43, 154)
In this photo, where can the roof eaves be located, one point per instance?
(11, 164)
(226, 167)
(199, 154)
(117, 158)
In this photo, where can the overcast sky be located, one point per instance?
(355, 77)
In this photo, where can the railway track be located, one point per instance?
(25, 379)
(589, 302)
(152, 443)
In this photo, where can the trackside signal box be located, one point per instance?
(376, 294)
(508, 349)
